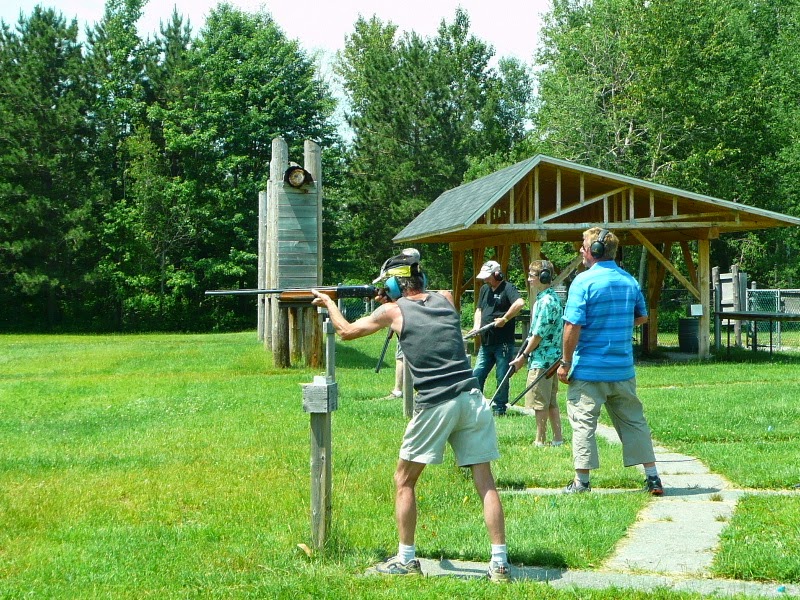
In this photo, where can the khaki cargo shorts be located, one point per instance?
(465, 422)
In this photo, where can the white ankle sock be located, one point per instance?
(651, 471)
(499, 554)
(406, 553)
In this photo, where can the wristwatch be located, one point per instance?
(565, 363)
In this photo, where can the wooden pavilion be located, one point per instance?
(547, 199)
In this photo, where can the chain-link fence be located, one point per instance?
(785, 335)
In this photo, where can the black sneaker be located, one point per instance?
(393, 566)
(577, 487)
(653, 486)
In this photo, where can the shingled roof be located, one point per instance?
(546, 198)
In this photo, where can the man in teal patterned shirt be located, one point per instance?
(542, 350)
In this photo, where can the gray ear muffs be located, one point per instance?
(598, 247)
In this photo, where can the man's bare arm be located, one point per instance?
(569, 342)
(380, 318)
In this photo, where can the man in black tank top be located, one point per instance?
(449, 407)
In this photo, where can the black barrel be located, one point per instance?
(689, 335)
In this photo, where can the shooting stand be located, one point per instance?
(320, 399)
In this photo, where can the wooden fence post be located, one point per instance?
(320, 399)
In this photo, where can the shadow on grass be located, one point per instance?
(540, 558)
(350, 357)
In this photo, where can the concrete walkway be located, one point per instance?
(671, 545)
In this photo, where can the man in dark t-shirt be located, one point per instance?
(498, 302)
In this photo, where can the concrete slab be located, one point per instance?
(576, 579)
(672, 543)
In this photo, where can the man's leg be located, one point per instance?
(492, 507)
(399, 365)
(627, 415)
(555, 423)
(483, 365)
(405, 503)
(541, 427)
(584, 401)
(405, 510)
(494, 519)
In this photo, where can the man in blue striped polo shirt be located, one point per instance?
(603, 306)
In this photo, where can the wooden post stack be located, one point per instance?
(292, 247)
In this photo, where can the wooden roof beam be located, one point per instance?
(506, 239)
(584, 204)
(664, 261)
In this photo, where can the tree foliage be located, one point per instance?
(44, 217)
(130, 167)
(419, 109)
(680, 92)
(131, 173)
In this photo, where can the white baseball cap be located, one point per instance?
(487, 269)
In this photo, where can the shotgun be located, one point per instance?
(304, 295)
(510, 371)
(475, 332)
(551, 370)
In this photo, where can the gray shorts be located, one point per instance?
(544, 394)
(466, 422)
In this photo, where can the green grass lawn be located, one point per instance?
(178, 466)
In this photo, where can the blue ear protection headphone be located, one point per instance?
(392, 286)
(598, 247)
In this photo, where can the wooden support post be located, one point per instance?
(477, 261)
(313, 335)
(295, 335)
(525, 253)
(704, 287)
(280, 338)
(717, 308)
(320, 399)
(738, 304)
(261, 301)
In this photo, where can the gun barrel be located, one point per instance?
(477, 332)
(547, 374)
(242, 292)
(334, 291)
